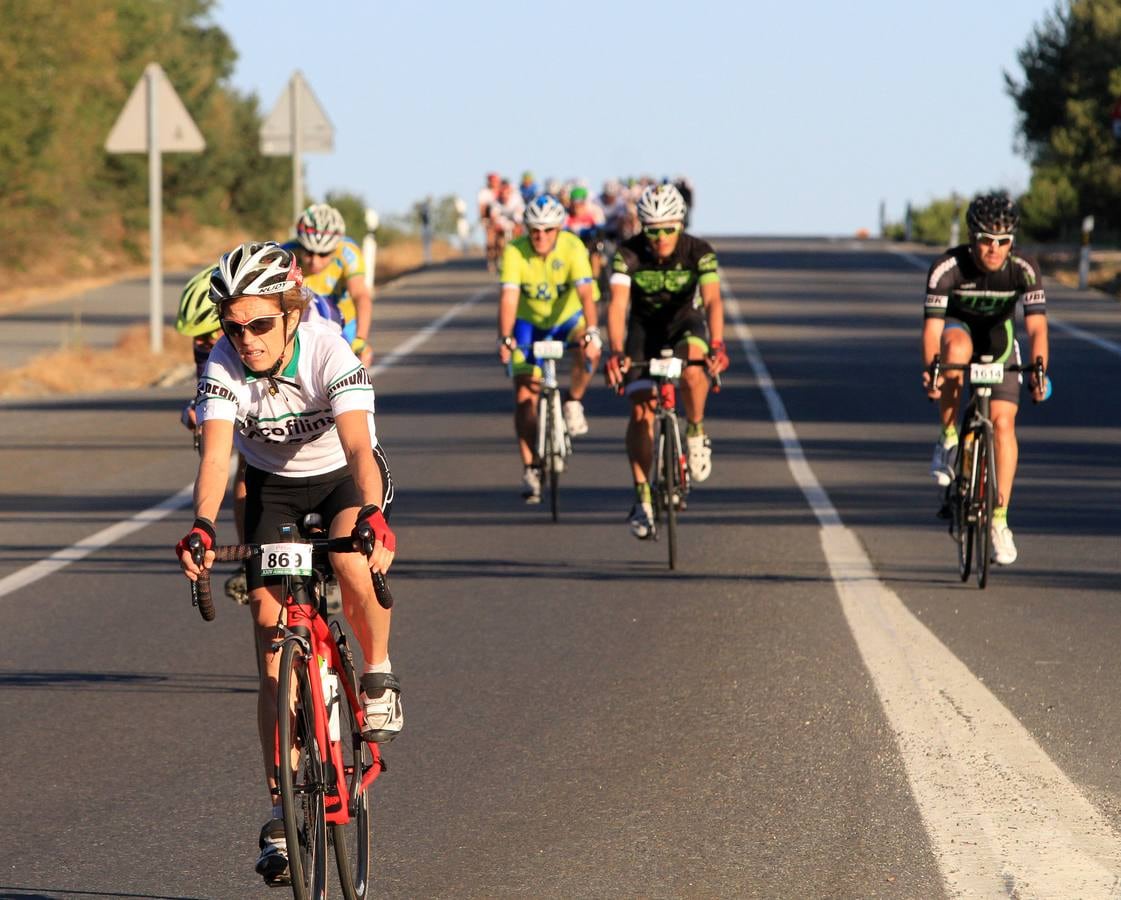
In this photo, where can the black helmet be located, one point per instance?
(992, 214)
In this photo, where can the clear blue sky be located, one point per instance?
(790, 118)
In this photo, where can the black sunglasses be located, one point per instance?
(258, 326)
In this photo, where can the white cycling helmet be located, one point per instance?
(661, 203)
(258, 268)
(319, 228)
(545, 211)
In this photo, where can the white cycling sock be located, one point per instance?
(277, 811)
(378, 667)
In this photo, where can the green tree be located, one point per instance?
(66, 70)
(1071, 82)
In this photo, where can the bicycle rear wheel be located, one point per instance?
(671, 455)
(986, 480)
(302, 780)
(352, 841)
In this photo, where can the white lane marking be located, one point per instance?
(1073, 330)
(1002, 818)
(62, 558)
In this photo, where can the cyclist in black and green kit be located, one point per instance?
(660, 273)
(971, 296)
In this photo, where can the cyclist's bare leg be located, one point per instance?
(957, 349)
(265, 607)
(239, 499)
(640, 434)
(527, 389)
(1007, 449)
(695, 381)
(581, 377)
(366, 616)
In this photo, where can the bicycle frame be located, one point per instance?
(549, 411)
(304, 625)
(310, 630)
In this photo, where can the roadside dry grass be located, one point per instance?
(130, 364)
(1062, 266)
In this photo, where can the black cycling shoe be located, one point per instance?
(272, 862)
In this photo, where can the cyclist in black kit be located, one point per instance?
(971, 296)
(659, 273)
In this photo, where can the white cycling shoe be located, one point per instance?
(641, 520)
(381, 702)
(531, 484)
(574, 419)
(943, 462)
(1004, 548)
(699, 448)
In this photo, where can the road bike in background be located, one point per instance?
(554, 444)
(669, 472)
(324, 766)
(971, 495)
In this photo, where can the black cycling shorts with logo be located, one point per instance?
(647, 335)
(995, 339)
(274, 500)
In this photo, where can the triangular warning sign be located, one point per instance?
(317, 134)
(177, 132)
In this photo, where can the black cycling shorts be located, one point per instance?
(997, 340)
(274, 500)
(647, 335)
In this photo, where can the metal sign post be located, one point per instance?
(155, 217)
(154, 121)
(296, 125)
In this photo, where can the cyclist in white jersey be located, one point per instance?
(302, 406)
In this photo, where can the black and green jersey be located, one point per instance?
(958, 288)
(663, 284)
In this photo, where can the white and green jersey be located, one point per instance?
(291, 432)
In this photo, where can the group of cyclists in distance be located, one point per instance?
(281, 336)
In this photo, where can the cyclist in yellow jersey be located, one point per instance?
(333, 268)
(548, 293)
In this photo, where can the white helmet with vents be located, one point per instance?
(545, 211)
(258, 268)
(319, 228)
(661, 203)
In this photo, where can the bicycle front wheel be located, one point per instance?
(986, 491)
(302, 780)
(671, 486)
(961, 498)
(552, 459)
(352, 841)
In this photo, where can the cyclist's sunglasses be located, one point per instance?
(998, 240)
(664, 231)
(258, 326)
(542, 230)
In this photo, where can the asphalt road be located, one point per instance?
(579, 721)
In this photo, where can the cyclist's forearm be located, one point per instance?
(507, 311)
(587, 295)
(617, 316)
(354, 435)
(931, 339)
(363, 307)
(1036, 327)
(714, 308)
(210, 488)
